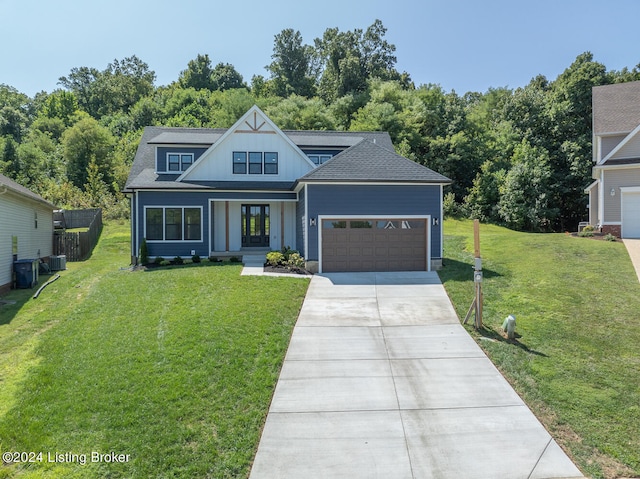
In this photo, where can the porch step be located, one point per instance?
(254, 259)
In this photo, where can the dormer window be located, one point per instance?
(179, 162)
(319, 159)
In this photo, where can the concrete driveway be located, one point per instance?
(633, 248)
(382, 381)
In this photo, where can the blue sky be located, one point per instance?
(463, 45)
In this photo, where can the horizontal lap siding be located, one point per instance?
(363, 200)
(616, 179)
(17, 217)
(199, 199)
(300, 226)
(161, 159)
(178, 199)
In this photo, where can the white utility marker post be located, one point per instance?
(477, 279)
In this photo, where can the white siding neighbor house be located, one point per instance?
(26, 227)
(614, 196)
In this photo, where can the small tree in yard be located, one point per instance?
(144, 252)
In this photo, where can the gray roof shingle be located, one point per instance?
(369, 162)
(616, 108)
(21, 190)
(367, 156)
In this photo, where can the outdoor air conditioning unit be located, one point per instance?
(57, 263)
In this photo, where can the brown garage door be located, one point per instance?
(362, 244)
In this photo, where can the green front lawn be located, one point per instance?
(577, 362)
(176, 366)
(173, 366)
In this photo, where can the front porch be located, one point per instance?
(246, 227)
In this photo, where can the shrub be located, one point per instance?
(177, 260)
(195, 258)
(214, 259)
(586, 234)
(286, 252)
(158, 260)
(164, 262)
(609, 237)
(453, 209)
(588, 229)
(144, 252)
(234, 259)
(295, 261)
(275, 258)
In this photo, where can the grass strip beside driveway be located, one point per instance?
(173, 366)
(577, 362)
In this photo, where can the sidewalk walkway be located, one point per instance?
(381, 380)
(633, 247)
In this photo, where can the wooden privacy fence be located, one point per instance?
(77, 246)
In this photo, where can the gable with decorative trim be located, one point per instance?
(254, 149)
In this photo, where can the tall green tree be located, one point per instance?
(349, 59)
(291, 68)
(84, 142)
(113, 90)
(299, 113)
(526, 201)
(225, 77)
(198, 74)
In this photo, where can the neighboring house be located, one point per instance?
(345, 200)
(27, 227)
(614, 196)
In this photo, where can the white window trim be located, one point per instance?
(248, 163)
(165, 207)
(427, 219)
(180, 154)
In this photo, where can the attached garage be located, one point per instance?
(370, 209)
(374, 244)
(630, 213)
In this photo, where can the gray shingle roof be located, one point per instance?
(21, 190)
(189, 136)
(337, 139)
(368, 162)
(368, 156)
(616, 108)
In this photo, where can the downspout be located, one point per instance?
(601, 199)
(305, 227)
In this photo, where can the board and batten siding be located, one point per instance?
(218, 162)
(615, 179)
(383, 199)
(18, 218)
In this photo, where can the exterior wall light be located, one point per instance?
(613, 192)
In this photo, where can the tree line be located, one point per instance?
(519, 157)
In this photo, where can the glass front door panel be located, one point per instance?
(255, 225)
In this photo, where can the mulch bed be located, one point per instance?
(596, 236)
(283, 269)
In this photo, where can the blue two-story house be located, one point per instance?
(345, 200)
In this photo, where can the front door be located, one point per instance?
(255, 225)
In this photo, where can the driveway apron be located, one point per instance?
(381, 381)
(633, 248)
